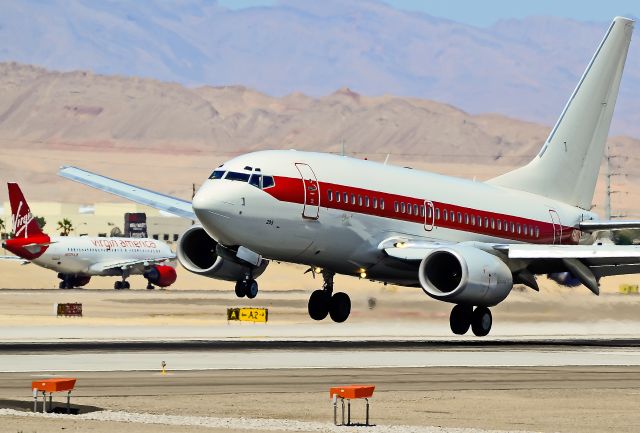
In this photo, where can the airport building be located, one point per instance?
(100, 219)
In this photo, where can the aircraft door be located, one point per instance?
(557, 227)
(429, 215)
(311, 209)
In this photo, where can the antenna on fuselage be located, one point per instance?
(387, 159)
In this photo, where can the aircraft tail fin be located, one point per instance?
(566, 168)
(23, 223)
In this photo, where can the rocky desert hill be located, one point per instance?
(167, 136)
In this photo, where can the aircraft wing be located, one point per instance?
(15, 259)
(173, 205)
(594, 226)
(126, 264)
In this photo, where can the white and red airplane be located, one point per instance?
(77, 259)
(461, 241)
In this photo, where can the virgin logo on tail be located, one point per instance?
(23, 222)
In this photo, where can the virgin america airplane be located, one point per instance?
(77, 259)
(461, 241)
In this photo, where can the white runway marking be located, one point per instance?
(278, 359)
(261, 424)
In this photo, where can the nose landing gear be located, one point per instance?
(464, 317)
(324, 302)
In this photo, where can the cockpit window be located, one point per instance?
(267, 182)
(240, 177)
(255, 180)
(217, 174)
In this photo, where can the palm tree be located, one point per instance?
(65, 227)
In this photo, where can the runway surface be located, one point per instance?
(283, 354)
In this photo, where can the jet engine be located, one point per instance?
(465, 275)
(79, 281)
(161, 276)
(197, 253)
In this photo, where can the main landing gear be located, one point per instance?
(464, 317)
(324, 302)
(121, 285)
(247, 287)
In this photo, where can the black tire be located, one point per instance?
(340, 307)
(150, 286)
(241, 289)
(251, 289)
(318, 306)
(126, 285)
(117, 285)
(481, 321)
(62, 285)
(460, 319)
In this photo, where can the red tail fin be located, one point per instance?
(23, 222)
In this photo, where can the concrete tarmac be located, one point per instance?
(548, 399)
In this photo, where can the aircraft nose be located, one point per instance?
(213, 205)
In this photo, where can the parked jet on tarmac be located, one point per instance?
(77, 259)
(461, 241)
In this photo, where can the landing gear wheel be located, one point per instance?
(126, 285)
(241, 289)
(319, 302)
(340, 307)
(460, 319)
(481, 321)
(63, 285)
(149, 286)
(251, 289)
(117, 285)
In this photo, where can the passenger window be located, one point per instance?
(513, 228)
(338, 197)
(437, 214)
(473, 220)
(415, 209)
(403, 207)
(217, 174)
(537, 232)
(409, 208)
(429, 212)
(493, 224)
(506, 226)
(345, 196)
(396, 206)
(446, 215)
(518, 226)
(359, 200)
(459, 218)
(499, 225)
(353, 199)
(422, 210)
(330, 194)
(366, 200)
(267, 182)
(525, 230)
(466, 218)
(375, 203)
(382, 203)
(486, 222)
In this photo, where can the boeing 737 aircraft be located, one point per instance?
(77, 259)
(461, 241)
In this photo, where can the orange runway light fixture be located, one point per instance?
(349, 392)
(50, 386)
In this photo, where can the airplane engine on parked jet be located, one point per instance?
(465, 275)
(161, 276)
(197, 253)
(564, 279)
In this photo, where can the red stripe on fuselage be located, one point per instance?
(291, 190)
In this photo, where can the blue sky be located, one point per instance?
(486, 12)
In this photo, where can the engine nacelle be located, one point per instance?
(465, 275)
(161, 275)
(197, 253)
